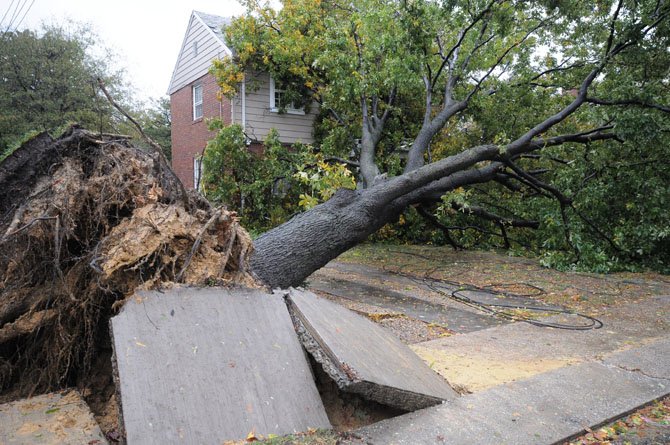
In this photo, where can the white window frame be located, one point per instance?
(197, 103)
(273, 105)
(197, 170)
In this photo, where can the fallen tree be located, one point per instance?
(85, 220)
(504, 90)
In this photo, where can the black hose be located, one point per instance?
(439, 286)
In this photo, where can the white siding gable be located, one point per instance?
(191, 64)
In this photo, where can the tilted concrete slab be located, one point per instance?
(364, 358)
(55, 419)
(545, 409)
(210, 365)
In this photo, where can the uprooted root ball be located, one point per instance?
(85, 220)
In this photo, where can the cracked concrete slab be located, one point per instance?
(54, 419)
(362, 357)
(651, 360)
(206, 365)
(544, 409)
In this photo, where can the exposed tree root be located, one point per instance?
(85, 220)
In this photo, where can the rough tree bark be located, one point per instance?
(288, 254)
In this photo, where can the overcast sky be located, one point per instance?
(146, 34)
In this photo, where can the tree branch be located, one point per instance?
(488, 216)
(144, 136)
(503, 56)
(625, 102)
(585, 137)
(428, 216)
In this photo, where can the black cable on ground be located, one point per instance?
(499, 309)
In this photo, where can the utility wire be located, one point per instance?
(11, 19)
(17, 12)
(25, 14)
(6, 12)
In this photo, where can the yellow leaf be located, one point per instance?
(251, 437)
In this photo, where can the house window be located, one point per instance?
(197, 168)
(197, 101)
(277, 100)
(195, 49)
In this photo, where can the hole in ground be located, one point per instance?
(348, 411)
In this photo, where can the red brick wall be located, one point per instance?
(189, 137)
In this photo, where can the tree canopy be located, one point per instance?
(491, 117)
(49, 80)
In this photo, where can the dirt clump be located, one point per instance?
(85, 220)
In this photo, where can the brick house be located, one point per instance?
(193, 100)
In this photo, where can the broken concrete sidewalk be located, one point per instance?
(205, 365)
(55, 419)
(364, 358)
(201, 365)
(545, 409)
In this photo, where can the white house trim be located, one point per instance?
(273, 106)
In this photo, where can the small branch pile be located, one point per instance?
(85, 220)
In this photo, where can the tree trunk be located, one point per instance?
(288, 254)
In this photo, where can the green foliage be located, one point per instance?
(267, 188)
(48, 79)
(322, 179)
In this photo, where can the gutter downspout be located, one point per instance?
(244, 103)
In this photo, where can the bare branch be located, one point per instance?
(387, 111)
(556, 69)
(634, 102)
(532, 179)
(111, 100)
(610, 38)
(504, 180)
(539, 156)
(585, 137)
(504, 55)
(481, 42)
(428, 216)
(468, 28)
(485, 214)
